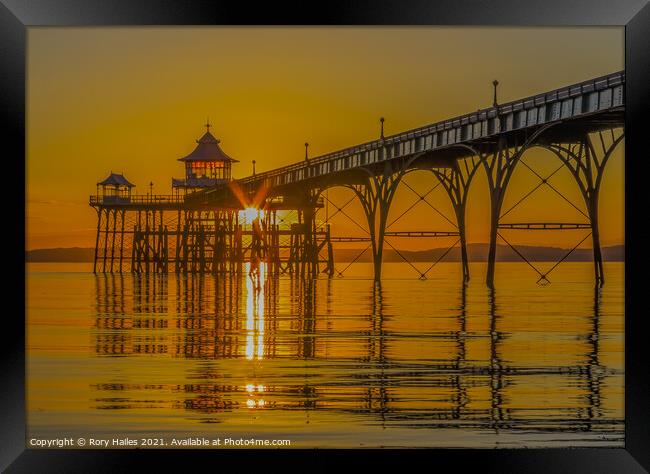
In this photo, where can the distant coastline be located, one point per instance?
(476, 253)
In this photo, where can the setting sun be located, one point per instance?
(250, 214)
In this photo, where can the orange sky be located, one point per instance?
(133, 100)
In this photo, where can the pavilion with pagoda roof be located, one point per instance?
(115, 189)
(207, 166)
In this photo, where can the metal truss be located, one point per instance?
(582, 160)
(376, 196)
(543, 181)
(586, 160)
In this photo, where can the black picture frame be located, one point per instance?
(17, 15)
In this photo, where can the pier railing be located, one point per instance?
(567, 102)
(146, 199)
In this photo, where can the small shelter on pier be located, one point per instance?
(115, 189)
(207, 166)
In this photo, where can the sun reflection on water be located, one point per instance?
(255, 312)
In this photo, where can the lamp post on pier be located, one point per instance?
(495, 83)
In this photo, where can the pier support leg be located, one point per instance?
(376, 196)
(106, 234)
(330, 252)
(113, 238)
(304, 248)
(311, 258)
(599, 274)
(499, 166)
(456, 181)
(99, 224)
(495, 209)
(586, 160)
(123, 217)
(177, 252)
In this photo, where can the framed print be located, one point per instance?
(258, 236)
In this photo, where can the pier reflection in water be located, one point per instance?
(333, 362)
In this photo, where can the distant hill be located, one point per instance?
(479, 252)
(476, 253)
(72, 254)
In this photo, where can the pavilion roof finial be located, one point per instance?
(207, 148)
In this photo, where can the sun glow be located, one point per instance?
(250, 214)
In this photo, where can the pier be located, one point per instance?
(212, 223)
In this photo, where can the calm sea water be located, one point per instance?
(335, 362)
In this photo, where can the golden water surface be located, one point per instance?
(338, 362)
